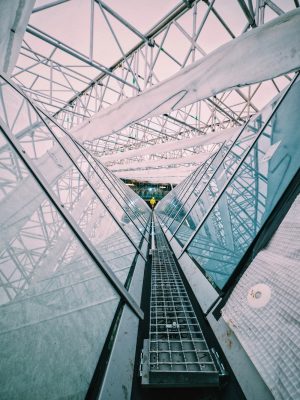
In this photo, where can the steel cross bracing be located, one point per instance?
(223, 214)
(193, 207)
(176, 353)
(29, 242)
(222, 164)
(71, 95)
(190, 191)
(208, 181)
(241, 163)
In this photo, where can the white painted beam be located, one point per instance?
(258, 55)
(14, 16)
(166, 175)
(217, 137)
(138, 165)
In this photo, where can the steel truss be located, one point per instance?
(72, 197)
(71, 96)
(216, 219)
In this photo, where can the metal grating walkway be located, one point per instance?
(176, 353)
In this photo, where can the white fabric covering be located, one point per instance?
(271, 334)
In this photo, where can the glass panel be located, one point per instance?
(56, 306)
(217, 175)
(69, 185)
(186, 191)
(129, 214)
(168, 207)
(23, 122)
(201, 179)
(251, 196)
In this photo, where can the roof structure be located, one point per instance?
(78, 58)
(195, 105)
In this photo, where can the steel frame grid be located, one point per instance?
(140, 64)
(14, 144)
(241, 164)
(178, 354)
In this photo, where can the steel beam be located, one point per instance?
(122, 20)
(49, 5)
(67, 217)
(247, 12)
(67, 49)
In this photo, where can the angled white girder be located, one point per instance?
(202, 140)
(165, 175)
(14, 16)
(245, 60)
(162, 162)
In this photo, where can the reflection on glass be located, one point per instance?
(23, 122)
(249, 199)
(56, 306)
(201, 180)
(219, 172)
(173, 201)
(67, 182)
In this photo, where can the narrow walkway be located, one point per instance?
(176, 353)
(175, 359)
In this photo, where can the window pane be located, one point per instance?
(56, 306)
(247, 202)
(219, 172)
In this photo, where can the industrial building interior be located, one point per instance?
(149, 199)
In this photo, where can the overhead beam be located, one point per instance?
(163, 162)
(218, 16)
(74, 53)
(179, 173)
(274, 7)
(176, 12)
(245, 60)
(193, 128)
(49, 5)
(122, 20)
(202, 140)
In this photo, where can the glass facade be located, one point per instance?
(218, 173)
(239, 189)
(56, 303)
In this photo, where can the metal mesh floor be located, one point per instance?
(176, 353)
